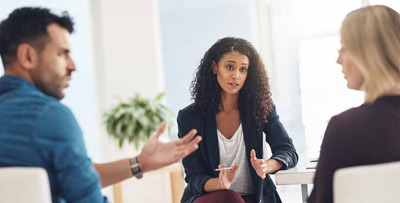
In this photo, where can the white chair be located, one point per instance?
(367, 184)
(24, 185)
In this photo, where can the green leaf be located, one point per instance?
(136, 119)
(160, 96)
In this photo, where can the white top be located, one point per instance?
(233, 151)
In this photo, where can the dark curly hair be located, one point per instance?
(28, 25)
(254, 97)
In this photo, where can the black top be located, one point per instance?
(368, 134)
(200, 164)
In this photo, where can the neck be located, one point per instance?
(18, 72)
(229, 102)
(395, 91)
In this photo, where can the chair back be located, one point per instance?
(24, 184)
(367, 184)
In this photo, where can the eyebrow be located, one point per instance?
(235, 62)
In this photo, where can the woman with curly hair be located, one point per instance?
(231, 110)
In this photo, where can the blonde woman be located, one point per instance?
(370, 133)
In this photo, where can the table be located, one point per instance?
(298, 175)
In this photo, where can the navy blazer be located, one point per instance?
(200, 165)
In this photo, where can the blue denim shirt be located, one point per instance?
(36, 130)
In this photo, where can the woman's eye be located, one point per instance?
(229, 67)
(243, 69)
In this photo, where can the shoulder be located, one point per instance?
(188, 113)
(57, 122)
(351, 118)
(348, 123)
(188, 119)
(273, 113)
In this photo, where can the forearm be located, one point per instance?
(212, 185)
(113, 172)
(273, 166)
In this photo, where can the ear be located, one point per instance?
(214, 67)
(27, 56)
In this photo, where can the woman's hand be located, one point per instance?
(259, 165)
(264, 167)
(226, 176)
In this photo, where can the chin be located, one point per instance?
(352, 87)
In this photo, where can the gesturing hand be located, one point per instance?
(226, 176)
(156, 154)
(259, 165)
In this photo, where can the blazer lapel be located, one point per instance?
(212, 142)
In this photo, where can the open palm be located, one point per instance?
(156, 154)
(226, 176)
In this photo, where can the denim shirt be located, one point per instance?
(36, 130)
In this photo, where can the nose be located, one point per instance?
(236, 74)
(339, 60)
(71, 65)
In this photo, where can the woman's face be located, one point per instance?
(231, 72)
(351, 73)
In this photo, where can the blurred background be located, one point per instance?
(123, 47)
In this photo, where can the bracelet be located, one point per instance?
(135, 167)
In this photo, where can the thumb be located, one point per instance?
(221, 165)
(253, 155)
(235, 167)
(161, 130)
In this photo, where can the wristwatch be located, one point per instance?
(135, 167)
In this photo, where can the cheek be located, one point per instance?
(347, 67)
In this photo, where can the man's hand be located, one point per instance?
(226, 176)
(156, 154)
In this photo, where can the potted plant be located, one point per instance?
(135, 120)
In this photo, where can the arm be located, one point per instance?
(154, 155)
(281, 144)
(195, 173)
(113, 172)
(74, 177)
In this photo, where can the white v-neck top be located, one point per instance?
(233, 151)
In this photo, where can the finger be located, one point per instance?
(187, 138)
(161, 129)
(235, 167)
(192, 146)
(253, 155)
(260, 161)
(222, 166)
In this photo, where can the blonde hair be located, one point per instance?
(371, 37)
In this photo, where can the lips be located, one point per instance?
(68, 79)
(233, 84)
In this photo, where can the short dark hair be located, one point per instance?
(255, 96)
(28, 25)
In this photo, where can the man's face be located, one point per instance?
(55, 64)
